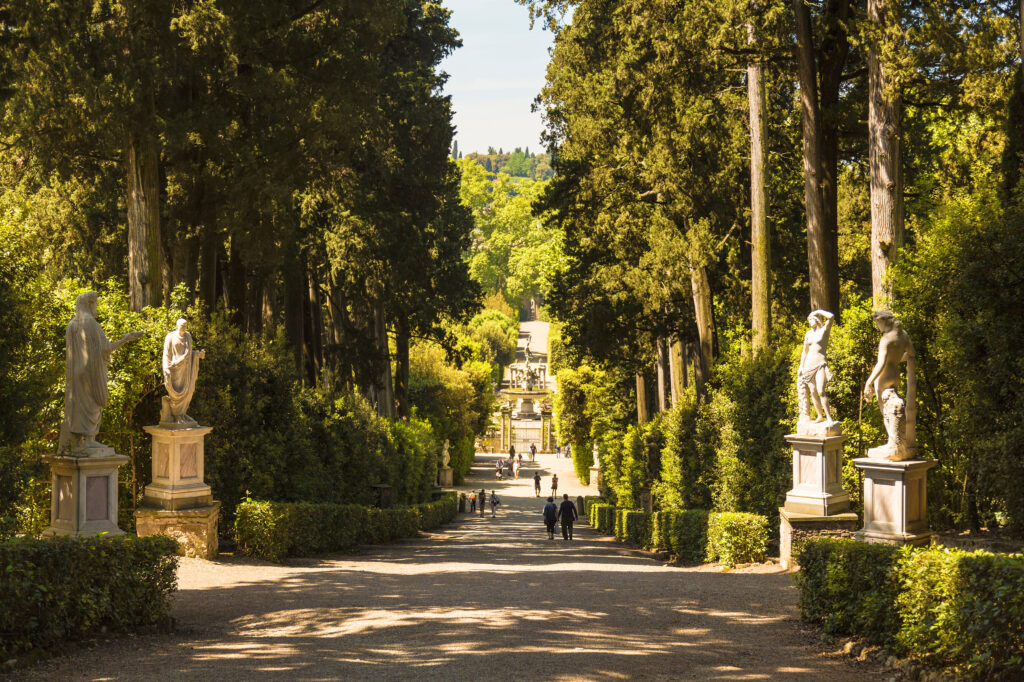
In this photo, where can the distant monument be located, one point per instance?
(83, 473)
(895, 481)
(178, 502)
(445, 475)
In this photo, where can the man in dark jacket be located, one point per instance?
(550, 517)
(566, 514)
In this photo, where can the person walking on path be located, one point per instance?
(472, 502)
(567, 515)
(511, 450)
(483, 501)
(554, 485)
(568, 450)
(550, 517)
(515, 468)
(536, 484)
(495, 501)
(533, 451)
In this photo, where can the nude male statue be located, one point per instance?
(814, 373)
(900, 418)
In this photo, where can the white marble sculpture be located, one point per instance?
(85, 394)
(813, 378)
(900, 417)
(181, 367)
(445, 457)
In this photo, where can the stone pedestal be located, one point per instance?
(178, 468)
(817, 475)
(817, 504)
(195, 529)
(794, 527)
(595, 477)
(179, 503)
(446, 477)
(84, 497)
(895, 501)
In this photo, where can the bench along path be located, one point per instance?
(483, 599)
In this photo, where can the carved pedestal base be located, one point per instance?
(178, 460)
(895, 501)
(195, 529)
(817, 476)
(794, 528)
(595, 477)
(446, 477)
(84, 497)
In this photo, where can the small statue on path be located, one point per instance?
(445, 457)
(814, 375)
(181, 367)
(900, 418)
(85, 393)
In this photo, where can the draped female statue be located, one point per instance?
(181, 367)
(87, 352)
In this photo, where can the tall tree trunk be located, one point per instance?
(235, 289)
(760, 294)
(314, 337)
(810, 116)
(385, 392)
(662, 370)
(705, 325)
(884, 124)
(269, 306)
(145, 262)
(402, 369)
(642, 415)
(295, 304)
(677, 370)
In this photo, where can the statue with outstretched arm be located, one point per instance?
(814, 374)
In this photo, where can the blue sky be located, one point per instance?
(495, 75)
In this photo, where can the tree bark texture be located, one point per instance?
(760, 294)
(642, 416)
(385, 389)
(818, 260)
(662, 371)
(677, 370)
(295, 304)
(145, 267)
(402, 370)
(705, 325)
(884, 125)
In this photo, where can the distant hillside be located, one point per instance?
(519, 163)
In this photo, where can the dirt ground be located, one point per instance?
(486, 598)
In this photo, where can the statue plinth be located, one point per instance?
(817, 504)
(179, 503)
(83, 501)
(178, 469)
(895, 501)
(817, 475)
(446, 477)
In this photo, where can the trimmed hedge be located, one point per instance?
(587, 501)
(951, 608)
(737, 538)
(683, 533)
(636, 527)
(62, 589)
(275, 530)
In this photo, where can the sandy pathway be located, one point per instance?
(488, 599)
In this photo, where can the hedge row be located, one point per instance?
(275, 530)
(63, 589)
(950, 608)
(693, 535)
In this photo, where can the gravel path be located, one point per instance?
(486, 598)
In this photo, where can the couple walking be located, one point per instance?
(564, 513)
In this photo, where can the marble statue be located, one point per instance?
(900, 417)
(445, 457)
(85, 393)
(814, 375)
(181, 367)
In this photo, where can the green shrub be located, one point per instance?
(589, 500)
(61, 589)
(620, 523)
(275, 530)
(849, 587)
(737, 538)
(602, 517)
(963, 609)
(688, 535)
(636, 527)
